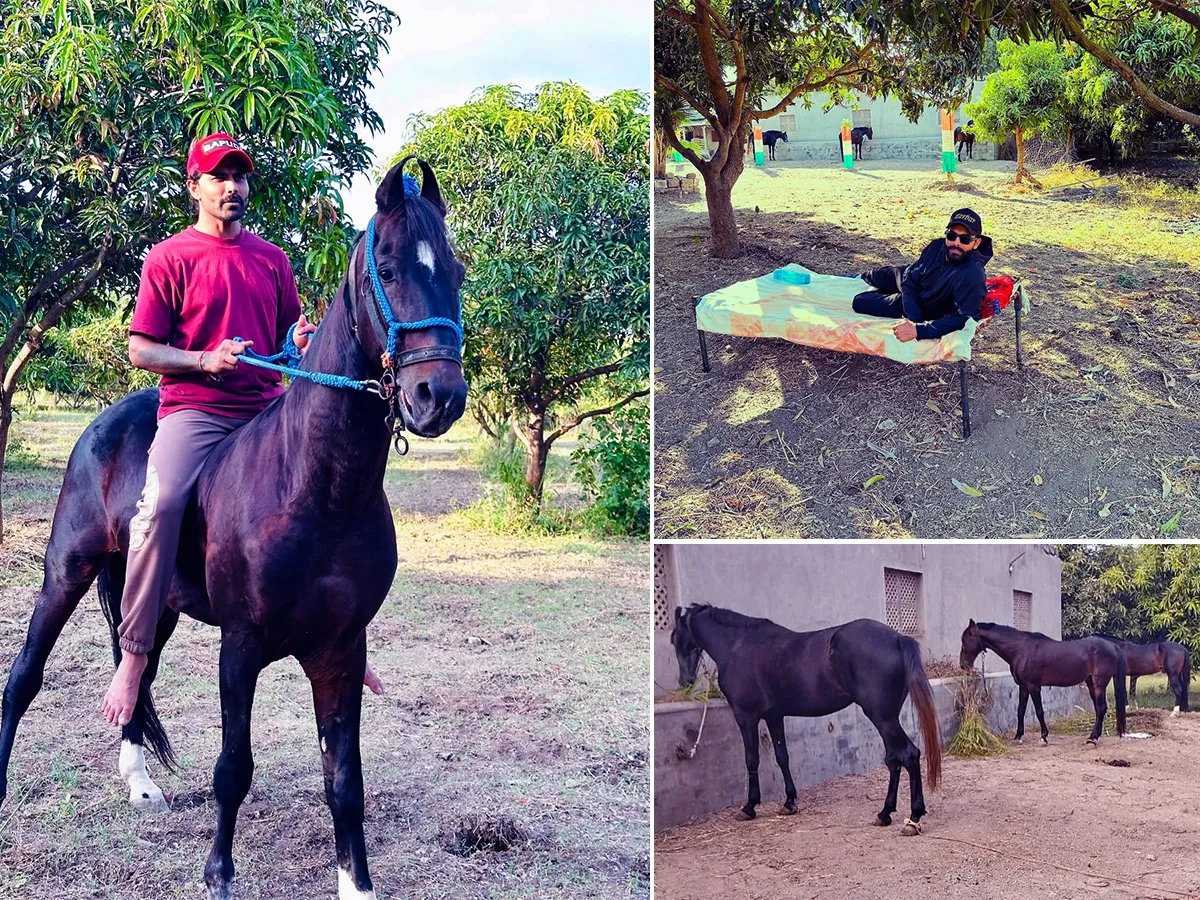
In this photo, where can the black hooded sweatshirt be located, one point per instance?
(940, 295)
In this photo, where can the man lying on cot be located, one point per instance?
(935, 295)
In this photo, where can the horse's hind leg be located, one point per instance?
(749, 727)
(72, 563)
(1133, 691)
(337, 700)
(241, 663)
(143, 792)
(778, 738)
(1022, 705)
(1099, 689)
(899, 751)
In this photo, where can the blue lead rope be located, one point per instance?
(325, 378)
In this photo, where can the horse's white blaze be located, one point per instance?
(143, 793)
(425, 255)
(347, 890)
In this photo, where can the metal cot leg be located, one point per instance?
(1020, 298)
(966, 405)
(703, 342)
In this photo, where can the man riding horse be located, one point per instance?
(201, 288)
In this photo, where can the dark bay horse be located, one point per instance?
(1038, 661)
(771, 138)
(857, 135)
(769, 672)
(1150, 659)
(288, 544)
(964, 139)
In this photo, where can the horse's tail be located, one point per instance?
(1185, 678)
(111, 586)
(1119, 687)
(922, 697)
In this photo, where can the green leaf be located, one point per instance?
(874, 479)
(966, 488)
(1171, 524)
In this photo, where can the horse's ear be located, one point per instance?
(389, 197)
(971, 624)
(429, 187)
(678, 615)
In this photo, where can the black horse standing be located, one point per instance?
(964, 139)
(1037, 660)
(1160, 656)
(857, 136)
(771, 138)
(288, 543)
(769, 672)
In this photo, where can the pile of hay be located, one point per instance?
(974, 738)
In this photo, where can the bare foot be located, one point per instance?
(371, 680)
(122, 694)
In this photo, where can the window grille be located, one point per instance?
(1022, 607)
(902, 601)
(787, 123)
(664, 587)
(861, 118)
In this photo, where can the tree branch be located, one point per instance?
(16, 331)
(1178, 10)
(686, 96)
(713, 70)
(584, 376)
(806, 87)
(686, 152)
(1062, 12)
(592, 413)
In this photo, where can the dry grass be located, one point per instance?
(515, 670)
(972, 699)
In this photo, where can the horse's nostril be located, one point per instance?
(424, 394)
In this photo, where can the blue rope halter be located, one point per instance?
(385, 387)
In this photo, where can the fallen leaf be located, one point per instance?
(966, 488)
(766, 440)
(1035, 514)
(886, 425)
(1170, 525)
(1093, 368)
(882, 451)
(1106, 511)
(1166, 485)
(874, 479)
(933, 406)
(1037, 479)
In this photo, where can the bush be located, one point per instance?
(612, 465)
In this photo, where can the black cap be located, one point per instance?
(968, 219)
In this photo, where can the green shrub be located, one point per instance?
(612, 465)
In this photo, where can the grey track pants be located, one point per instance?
(181, 445)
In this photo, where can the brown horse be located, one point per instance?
(1150, 659)
(1037, 660)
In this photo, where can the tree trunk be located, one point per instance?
(535, 467)
(660, 154)
(1020, 155)
(718, 193)
(5, 424)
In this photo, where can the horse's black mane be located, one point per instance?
(727, 616)
(1113, 638)
(425, 223)
(1009, 628)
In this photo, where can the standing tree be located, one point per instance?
(1166, 580)
(99, 101)
(549, 202)
(723, 57)
(1024, 98)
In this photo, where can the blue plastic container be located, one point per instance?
(791, 276)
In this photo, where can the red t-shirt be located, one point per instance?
(196, 291)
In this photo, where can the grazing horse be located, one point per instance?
(288, 544)
(771, 138)
(1037, 660)
(1150, 659)
(963, 138)
(768, 672)
(856, 140)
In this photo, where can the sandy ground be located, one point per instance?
(1097, 436)
(1056, 821)
(516, 672)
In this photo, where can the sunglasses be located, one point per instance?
(953, 236)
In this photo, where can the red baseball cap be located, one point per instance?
(207, 152)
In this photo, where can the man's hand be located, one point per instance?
(300, 336)
(905, 331)
(223, 357)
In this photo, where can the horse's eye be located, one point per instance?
(386, 274)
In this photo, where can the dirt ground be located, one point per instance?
(1057, 821)
(515, 670)
(1097, 436)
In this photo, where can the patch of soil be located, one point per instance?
(1057, 821)
(1096, 436)
(484, 832)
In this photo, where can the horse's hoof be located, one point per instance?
(151, 802)
(1092, 742)
(220, 891)
(1174, 712)
(909, 831)
(1045, 743)
(882, 821)
(1019, 740)
(746, 815)
(787, 810)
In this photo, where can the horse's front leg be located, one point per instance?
(337, 680)
(748, 725)
(1036, 694)
(241, 663)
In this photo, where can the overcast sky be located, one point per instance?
(441, 52)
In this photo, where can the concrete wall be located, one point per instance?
(810, 586)
(815, 135)
(819, 749)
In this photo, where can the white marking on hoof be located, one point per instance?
(144, 794)
(347, 890)
(219, 892)
(1175, 712)
(425, 256)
